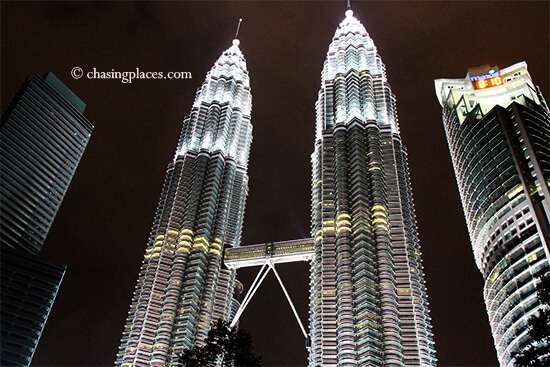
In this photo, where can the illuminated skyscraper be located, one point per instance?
(368, 299)
(368, 303)
(182, 287)
(498, 130)
(43, 136)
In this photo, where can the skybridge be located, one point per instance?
(279, 252)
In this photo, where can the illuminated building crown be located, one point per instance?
(220, 117)
(353, 64)
(352, 48)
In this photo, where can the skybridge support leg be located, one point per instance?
(264, 270)
(253, 288)
(272, 266)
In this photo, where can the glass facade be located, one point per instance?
(29, 286)
(43, 136)
(182, 287)
(499, 139)
(42, 139)
(368, 303)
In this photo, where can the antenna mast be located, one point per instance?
(239, 26)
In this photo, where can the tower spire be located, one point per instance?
(238, 27)
(349, 12)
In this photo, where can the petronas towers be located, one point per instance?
(368, 303)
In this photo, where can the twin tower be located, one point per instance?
(368, 304)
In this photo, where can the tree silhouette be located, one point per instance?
(232, 347)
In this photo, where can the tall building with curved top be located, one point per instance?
(498, 130)
(182, 287)
(368, 303)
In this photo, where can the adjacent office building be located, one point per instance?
(498, 130)
(43, 136)
(182, 287)
(29, 286)
(368, 303)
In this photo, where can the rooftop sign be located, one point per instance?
(487, 79)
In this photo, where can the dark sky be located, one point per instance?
(103, 225)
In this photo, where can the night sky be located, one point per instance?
(102, 227)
